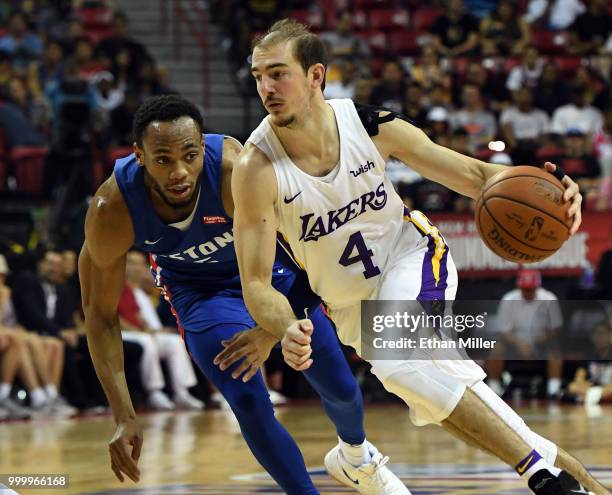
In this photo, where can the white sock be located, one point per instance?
(355, 454)
(5, 390)
(51, 391)
(553, 386)
(533, 463)
(37, 397)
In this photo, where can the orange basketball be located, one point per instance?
(521, 216)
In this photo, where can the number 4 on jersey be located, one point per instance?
(364, 255)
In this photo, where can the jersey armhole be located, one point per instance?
(370, 117)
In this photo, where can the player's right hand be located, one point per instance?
(128, 433)
(296, 345)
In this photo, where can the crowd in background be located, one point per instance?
(475, 77)
(515, 82)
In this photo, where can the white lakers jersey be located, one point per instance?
(340, 230)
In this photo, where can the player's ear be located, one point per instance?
(318, 75)
(139, 154)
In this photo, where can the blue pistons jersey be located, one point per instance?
(197, 268)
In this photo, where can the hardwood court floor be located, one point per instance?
(193, 453)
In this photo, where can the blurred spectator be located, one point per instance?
(428, 71)
(428, 196)
(491, 85)
(438, 126)
(455, 33)
(84, 59)
(44, 304)
(148, 82)
(501, 158)
(108, 97)
(591, 29)
(577, 114)
(528, 73)
(121, 119)
(577, 160)
(345, 86)
(523, 126)
(530, 322)
(504, 32)
(6, 68)
(479, 123)
(440, 96)
(551, 92)
(604, 270)
(460, 142)
(109, 48)
(18, 128)
(553, 14)
(41, 361)
(141, 325)
(51, 66)
(342, 43)
(389, 92)
(36, 110)
(593, 382)
(23, 45)
(602, 144)
(413, 105)
(363, 91)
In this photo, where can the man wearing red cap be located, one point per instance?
(528, 330)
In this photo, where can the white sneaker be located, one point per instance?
(60, 407)
(188, 401)
(4, 414)
(160, 401)
(15, 411)
(593, 396)
(277, 398)
(221, 401)
(373, 478)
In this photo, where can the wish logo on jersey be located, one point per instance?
(202, 253)
(315, 227)
(369, 165)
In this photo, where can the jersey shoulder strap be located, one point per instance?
(370, 117)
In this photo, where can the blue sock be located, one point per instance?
(269, 441)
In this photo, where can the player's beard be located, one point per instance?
(284, 122)
(173, 204)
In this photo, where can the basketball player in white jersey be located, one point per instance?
(314, 171)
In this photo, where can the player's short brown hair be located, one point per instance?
(308, 49)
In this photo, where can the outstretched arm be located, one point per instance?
(458, 172)
(108, 236)
(255, 223)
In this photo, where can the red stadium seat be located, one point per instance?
(115, 153)
(568, 65)
(29, 163)
(95, 16)
(388, 19)
(97, 34)
(375, 39)
(424, 18)
(404, 42)
(548, 42)
(314, 18)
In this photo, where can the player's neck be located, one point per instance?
(314, 138)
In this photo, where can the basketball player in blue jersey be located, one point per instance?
(314, 170)
(172, 198)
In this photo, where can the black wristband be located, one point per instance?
(559, 173)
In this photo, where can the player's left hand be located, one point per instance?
(572, 193)
(252, 346)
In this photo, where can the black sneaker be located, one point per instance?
(545, 483)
